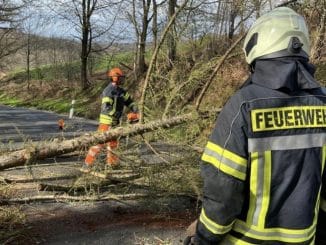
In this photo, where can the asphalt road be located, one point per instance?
(74, 223)
(19, 125)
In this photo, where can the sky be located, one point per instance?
(41, 20)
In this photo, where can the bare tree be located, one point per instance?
(140, 21)
(154, 24)
(28, 58)
(170, 38)
(9, 20)
(154, 57)
(84, 15)
(91, 20)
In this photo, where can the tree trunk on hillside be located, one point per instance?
(153, 60)
(50, 149)
(143, 37)
(83, 72)
(91, 19)
(87, 10)
(171, 41)
(28, 60)
(9, 21)
(154, 24)
(141, 32)
(236, 11)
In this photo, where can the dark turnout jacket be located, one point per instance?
(263, 166)
(114, 98)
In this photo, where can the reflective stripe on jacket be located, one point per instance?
(263, 168)
(114, 98)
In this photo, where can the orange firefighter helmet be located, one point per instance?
(116, 75)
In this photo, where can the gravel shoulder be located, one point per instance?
(107, 223)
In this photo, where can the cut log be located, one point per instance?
(109, 197)
(121, 177)
(65, 197)
(50, 149)
(115, 177)
(29, 180)
(56, 187)
(98, 174)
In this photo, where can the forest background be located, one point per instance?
(179, 56)
(54, 51)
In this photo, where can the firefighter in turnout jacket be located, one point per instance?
(263, 165)
(114, 98)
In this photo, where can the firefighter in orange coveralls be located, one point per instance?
(264, 164)
(114, 98)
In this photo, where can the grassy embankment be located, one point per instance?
(53, 87)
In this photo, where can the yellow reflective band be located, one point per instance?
(288, 118)
(126, 96)
(227, 154)
(212, 226)
(107, 100)
(224, 168)
(253, 187)
(321, 199)
(225, 160)
(114, 109)
(277, 234)
(266, 188)
(323, 159)
(231, 240)
(105, 119)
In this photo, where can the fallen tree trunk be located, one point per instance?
(29, 180)
(65, 197)
(60, 188)
(50, 149)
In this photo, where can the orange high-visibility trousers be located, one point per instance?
(111, 158)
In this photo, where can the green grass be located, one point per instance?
(109, 61)
(104, 63)
(57, 105)
(50, 72)
(6, 100)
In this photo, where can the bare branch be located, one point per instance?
(217, 68)
(286, 3)
(153, 59)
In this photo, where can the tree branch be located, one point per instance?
(217, 68)
(153, 60)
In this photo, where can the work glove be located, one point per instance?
(190, 233)
(190, 240)
(133, 117)
(61, 124)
